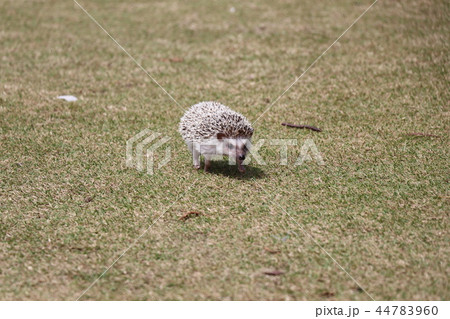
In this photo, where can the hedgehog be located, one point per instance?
(210, 128)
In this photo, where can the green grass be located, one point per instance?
(379, 205)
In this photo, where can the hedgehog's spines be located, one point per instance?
(205, 120)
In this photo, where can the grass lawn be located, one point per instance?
(379, 206)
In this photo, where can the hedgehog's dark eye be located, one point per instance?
(245, 148)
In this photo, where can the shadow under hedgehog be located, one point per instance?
(210, 128)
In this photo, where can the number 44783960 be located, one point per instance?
(408, 310)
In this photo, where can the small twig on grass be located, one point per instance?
(327, 294)
(313, 128)
(271, 251)
(175, 60)
(421, 134)
(88, 199)
(189, 215)
(274, 273)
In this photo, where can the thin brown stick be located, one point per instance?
(188, 215)
(421, 134)
(271, 251)
(273, 273)
(313, 128)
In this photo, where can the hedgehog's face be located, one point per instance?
(236, 148)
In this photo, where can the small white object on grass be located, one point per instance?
(68, 98)
(232, 10)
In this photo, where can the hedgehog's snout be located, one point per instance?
(242, 157)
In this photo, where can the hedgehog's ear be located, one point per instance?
(220, 136)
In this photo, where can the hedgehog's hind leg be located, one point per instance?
(207, 162)
(194, 149)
